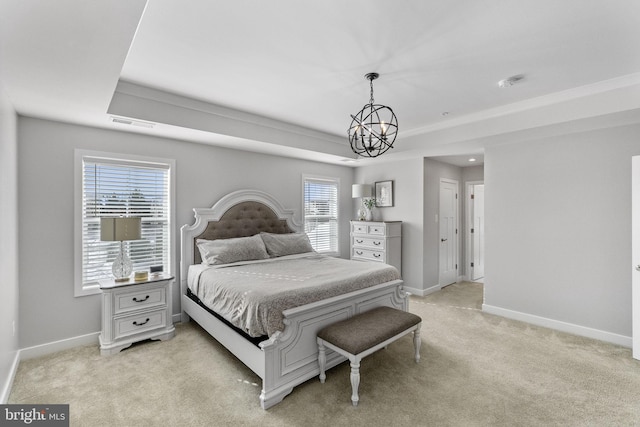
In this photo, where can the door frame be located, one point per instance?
(468, 244)
(635, 256)
(457, 234)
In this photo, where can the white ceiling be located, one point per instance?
(294, 70)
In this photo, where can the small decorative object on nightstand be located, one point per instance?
(134, 311)
(379, 241)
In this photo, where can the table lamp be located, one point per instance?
(120, 229)
(361, 191)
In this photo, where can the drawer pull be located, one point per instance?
(140, 300)
(359, 241)
(359, 252)
(135, 322)
(375, 242)
(377, 255)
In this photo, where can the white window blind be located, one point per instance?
(321, 213)
(113, 188)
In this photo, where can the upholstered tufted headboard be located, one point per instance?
(239, 214)
(242, 220)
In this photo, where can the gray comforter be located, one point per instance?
(252, 295)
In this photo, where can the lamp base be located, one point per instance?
(122, 266)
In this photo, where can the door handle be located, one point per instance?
(444, 240)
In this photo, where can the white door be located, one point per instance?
(478, 232)
(448, 218)
(635, 253)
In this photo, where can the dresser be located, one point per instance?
(134, 311)
(379, 241)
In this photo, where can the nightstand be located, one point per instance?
(134, 311)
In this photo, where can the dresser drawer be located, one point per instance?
(368, 242)
(137, 323)
(377, 230)
(368, 254)
(139, 299)
(359, 228)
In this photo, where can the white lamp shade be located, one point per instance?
(361, 190)
(119, 229)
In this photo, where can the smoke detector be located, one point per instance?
(510, 81)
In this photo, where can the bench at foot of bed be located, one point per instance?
(364, 334)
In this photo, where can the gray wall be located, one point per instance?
(558, 228)
(407, 177)
(48, 310)
(8, 241)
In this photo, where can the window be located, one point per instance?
(113, 187)
(321, 213)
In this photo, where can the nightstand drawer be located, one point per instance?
(368, 242)
(139, 299)
(137, 323)
(368, 254)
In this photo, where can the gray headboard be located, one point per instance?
(238, 214)
(242, 220)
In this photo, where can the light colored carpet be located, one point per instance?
(476, 370)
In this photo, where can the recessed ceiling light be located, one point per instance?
(472, 159)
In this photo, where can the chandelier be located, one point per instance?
(374, 129)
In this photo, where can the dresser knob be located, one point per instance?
(140, 300)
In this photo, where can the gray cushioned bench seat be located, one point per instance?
(364, 334)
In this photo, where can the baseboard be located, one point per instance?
(52, 347)
(176, 318)
(6, 387)
(558, 325)
(422, 292)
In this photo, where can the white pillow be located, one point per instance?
(225, 251)
(286, 244)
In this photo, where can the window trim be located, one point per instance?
(80, 154)
(336, 181)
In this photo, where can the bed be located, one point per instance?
(284, 353)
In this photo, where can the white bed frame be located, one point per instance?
(290, 357)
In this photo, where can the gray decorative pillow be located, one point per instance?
(286, 244)
(225, 251)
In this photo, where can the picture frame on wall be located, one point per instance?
(384, 194)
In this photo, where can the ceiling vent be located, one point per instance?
(131, 122)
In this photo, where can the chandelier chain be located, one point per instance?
(371, 101)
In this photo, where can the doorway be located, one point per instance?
(475, 230)
(635, 254)
(448, 219)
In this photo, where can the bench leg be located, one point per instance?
(355, 380)
(416, 342)
(322, 360)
